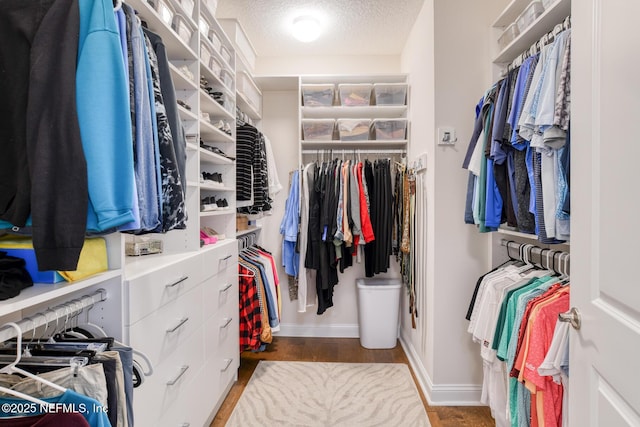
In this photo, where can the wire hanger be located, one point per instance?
(11, 368)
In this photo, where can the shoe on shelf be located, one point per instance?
(206, 239)
(208, 204)
(213, 178)
(210, 232)
(222, 204)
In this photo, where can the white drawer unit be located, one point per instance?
(219, 257)
(148, 292)
(218, 291)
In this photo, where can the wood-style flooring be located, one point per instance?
(345, 350)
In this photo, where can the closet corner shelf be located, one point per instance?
(210, 187)
(41, 293)
(247, 107)
(351, 145)
(213, 158)
(219, 212)
(249, 230)
(373, 111)
(542, 25)
(176, 48)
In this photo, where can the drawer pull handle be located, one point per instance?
(183, 369)
(177, 282)
(226, 288)
(226, 366)
(226, 323)
(180, 323)
(225, 258)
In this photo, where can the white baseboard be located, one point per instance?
(441, 394)
(319, 331)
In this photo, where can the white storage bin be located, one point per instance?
(204, 26)
(227, 78)
(205, 54)
(390, 129)
(166, 11)
(508, 35)
(182, 27)
(246, 86)
(378, 312)
(215, 39)
(187, 6)
(226, 55)
(318, 129)
(215, 66)
(354, 95)
(547, 3)
(320, 95)
(390, 93)
(354, 129)
(529, 15)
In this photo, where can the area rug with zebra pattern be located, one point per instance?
(329, 395)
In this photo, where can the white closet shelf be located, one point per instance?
(555, 14)
(191, 146)
(212, 134)
(214, 80)
(41, 293)
(205, 186)
(509, 232)
(180, 81)
(249, 230)
(208, 157)
(209, 105)
(186, 115)
(350, 145)
(219, 212)
(247, 107)
(176, 48)
(372, 111)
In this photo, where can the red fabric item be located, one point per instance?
(71, 419)
(249, 307)
(365, 219)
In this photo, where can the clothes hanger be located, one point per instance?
(117, 5)
(11, 368)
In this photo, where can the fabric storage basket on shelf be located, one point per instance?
(354, 129)
(355, 95)
(320, 95)
(390, 129)
(390, 93)
(318, 129)
(181, 26)
(529, 15)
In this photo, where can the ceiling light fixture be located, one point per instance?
(306, 28)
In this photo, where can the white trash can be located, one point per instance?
(378, 312)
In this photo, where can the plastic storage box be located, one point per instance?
(354, 129)
(354, 95)
(227, 78)
(378, 312)
(187, 6)
(212, 5)
(390, 93)
(246, 86)
(226, 55)
(206, 54)
(215, 40)
(318, 129)
(166, 11)
(547, 3)
(182, 27)
(390, 129)
(317, 95)
(204, 26)
(508, 35)
(529, 15)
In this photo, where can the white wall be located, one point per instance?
(448, 58)
(341, 65)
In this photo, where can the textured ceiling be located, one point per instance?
(350, 27)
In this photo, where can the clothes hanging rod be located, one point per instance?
(356, 150)
(551, 259)
(66, 310)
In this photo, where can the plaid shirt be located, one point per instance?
(250, 317)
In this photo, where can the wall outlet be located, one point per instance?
(446, 136)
